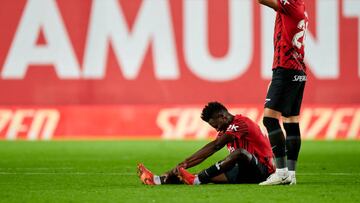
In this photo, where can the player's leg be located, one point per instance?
(145, 175)
(220, 179)
(149, 178)
(293, 144)
(292, 129)
(169, 179)
(193, 179)
(275, 104)
(278, 102)
(239, 155)
(215, 173)
(244, 171)
(276, 136)
(252, 172)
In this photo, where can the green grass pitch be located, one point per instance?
(105, 171)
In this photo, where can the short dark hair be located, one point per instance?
(210, 109)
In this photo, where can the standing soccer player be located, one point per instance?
(250, 159)
(285, 93)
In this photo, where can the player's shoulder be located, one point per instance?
(240, 118)
(238, 123)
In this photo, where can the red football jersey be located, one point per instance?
(248, 136)
(290, 27)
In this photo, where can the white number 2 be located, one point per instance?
(302, 25)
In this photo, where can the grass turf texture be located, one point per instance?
(106, 172)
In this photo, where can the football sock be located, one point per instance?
(282, 172)
(206, 175)
(291, 164)
(293, 144)
(277, 140)
(162, 179)
(196, 180)
(157, 180)
(291, 173)
(169, 180)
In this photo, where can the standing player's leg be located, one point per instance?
(225, 171)
(292, 129)
(293, 144)
(278, 145)
(276, 136)
(275, 104)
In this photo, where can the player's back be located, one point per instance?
(248, 136)
(258, 140)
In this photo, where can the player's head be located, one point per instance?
(216, 115)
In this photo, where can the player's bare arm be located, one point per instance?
(200, 155)
(206, 151)
(270, 3)
(203, 153)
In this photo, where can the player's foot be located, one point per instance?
(274, 179)
(290, 180)
(145, 175)
(186, 176)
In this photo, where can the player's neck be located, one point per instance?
(231, 118)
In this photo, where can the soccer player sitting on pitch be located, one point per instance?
(250, 159)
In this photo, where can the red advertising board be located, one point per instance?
(106, 58)
(158, 122)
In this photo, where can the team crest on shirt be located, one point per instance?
(284, 2)
(233, 128)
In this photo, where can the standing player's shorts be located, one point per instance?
(245, 172)
(286, 91)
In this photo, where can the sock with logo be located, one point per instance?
(293, 144)
(168, 180)
(206, 175)
(277, 140)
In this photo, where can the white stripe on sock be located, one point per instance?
(157, 180)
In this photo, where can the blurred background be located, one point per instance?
(143, 69)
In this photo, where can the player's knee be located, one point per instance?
(292, 129)
(272, 113)
(241, 154)
(291, 119)
(271, 124)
